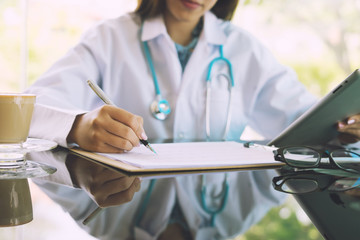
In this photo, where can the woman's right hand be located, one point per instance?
(107, 129)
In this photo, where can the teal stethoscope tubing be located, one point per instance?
(160, 108)
(208, 93)
(152, 68)
(225, 190)
(211, 211)
(224, 194)
(145, 202)
(221, 58)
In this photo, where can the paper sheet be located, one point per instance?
(194, 154)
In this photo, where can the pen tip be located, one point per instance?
(147, 145)
(152, 149)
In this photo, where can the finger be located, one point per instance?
(347, 139)
(124, 196)
(351, 131)
(346, 128)
(103, 141)
(140, 131)
(97, 141)
(115, 125)
(349, 125)
(356, 118)
(116, 185)
(118, 142)
(100, 191)
(121, 136)
(133, 121)
(126, 125)
(351, 121)
(107, 175)
(138, 184)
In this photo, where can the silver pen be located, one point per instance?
(106, 100)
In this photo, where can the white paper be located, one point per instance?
(194, 155)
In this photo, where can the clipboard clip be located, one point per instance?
(260, 146)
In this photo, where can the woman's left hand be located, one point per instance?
(349, 129)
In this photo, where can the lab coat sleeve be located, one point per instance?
(280, 98)
(52, 123)
(62, 92)
(114, 222)
(75, 201)
(79, 205)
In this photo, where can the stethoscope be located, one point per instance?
(160, 107)
(209, 210)
(223, 194)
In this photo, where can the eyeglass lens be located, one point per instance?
(346, 159)
(297, 185)
(301, 156)
(345, 184)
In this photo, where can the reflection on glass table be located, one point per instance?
(25, 168)
(196, 204)
(306, 181)
(15, 198)
(330, 197)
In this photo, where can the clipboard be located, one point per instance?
(231, 165)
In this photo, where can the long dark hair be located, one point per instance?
(223, 9)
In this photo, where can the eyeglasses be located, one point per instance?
(308, 181)
(307, 157)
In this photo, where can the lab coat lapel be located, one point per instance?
(206, 49)
(152, 28)
(155, 27)
(191, 97)
(165, 58)
(214, 33)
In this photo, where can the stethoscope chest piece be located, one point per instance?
(160, 109)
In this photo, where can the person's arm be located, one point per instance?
(62, 93)
(279, 99)
(68, 111)
(282, 99)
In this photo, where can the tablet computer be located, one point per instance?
(317, 126)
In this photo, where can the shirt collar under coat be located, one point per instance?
(214, 33)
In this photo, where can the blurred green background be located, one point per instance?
(319, 39)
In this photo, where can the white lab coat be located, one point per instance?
(267, 97)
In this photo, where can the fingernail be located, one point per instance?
(143, 136)
(341, 125)
(351, 121)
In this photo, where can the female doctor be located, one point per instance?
(174, 69)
